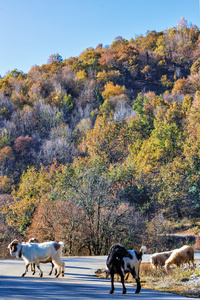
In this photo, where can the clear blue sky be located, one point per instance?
(32, 30)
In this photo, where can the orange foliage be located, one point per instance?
(57, 220)
(6, 154)
(180, 86)
(23, 145)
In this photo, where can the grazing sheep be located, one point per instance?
(158, 259)
(180, 256)
(121, 261)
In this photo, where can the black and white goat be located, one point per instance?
(121, 261)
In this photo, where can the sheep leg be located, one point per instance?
(192, 261)
(193, 264)
(41, 273)
(26, 270)
(112, 283)
(189, 265)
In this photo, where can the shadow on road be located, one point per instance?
(69, 288)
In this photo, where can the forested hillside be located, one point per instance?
(104, 147)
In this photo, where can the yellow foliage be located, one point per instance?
(33, 189)
(81, 75)
(108, 140)
(180, 86)
(112, 90)
(104, 76)
(5, 184)
(6, 154)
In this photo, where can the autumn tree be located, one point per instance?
(180, 86)
(24, 122)
(142, 122)
(54, 58)
(91, 189)
(163, 145)
(7, 233)
(195, 68)
(6, 160)
(107, 140)
(22, 147)
(156, 230)
(47, 117)
(6, 184)
(58, 220)
(33, 189)
(179, 190)
(6, 107)
(90, 58)
(187, 103)
(112, 90)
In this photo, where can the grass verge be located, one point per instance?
(179, 281)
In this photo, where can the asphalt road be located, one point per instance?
(79, 282)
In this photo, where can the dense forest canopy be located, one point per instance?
(103, 147)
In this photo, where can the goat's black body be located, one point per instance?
(115, 258)
(116, 265)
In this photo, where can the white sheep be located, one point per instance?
(180, 256)
(158, 259)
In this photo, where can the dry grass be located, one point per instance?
(177, 281)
